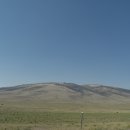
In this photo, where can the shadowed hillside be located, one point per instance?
(65, 92)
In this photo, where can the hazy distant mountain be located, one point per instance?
(65, 92)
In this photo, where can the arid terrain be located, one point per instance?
(58, 106)
(66, 96)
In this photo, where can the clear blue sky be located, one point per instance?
(80, 41)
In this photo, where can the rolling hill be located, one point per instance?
(88, 96)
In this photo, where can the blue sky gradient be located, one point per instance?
(80, 41)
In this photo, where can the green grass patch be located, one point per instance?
(16, 119)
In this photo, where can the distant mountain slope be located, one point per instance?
(65, 92)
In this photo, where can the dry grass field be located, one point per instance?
(55, 106)
(14, 118)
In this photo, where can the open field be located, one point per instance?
(25, 119)
(55, 106)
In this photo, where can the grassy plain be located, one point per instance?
(63, 117)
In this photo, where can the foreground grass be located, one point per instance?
(18, 119)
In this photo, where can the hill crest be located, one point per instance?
(65, 92)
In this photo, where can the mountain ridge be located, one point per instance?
(55, 96)
(64, 91)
